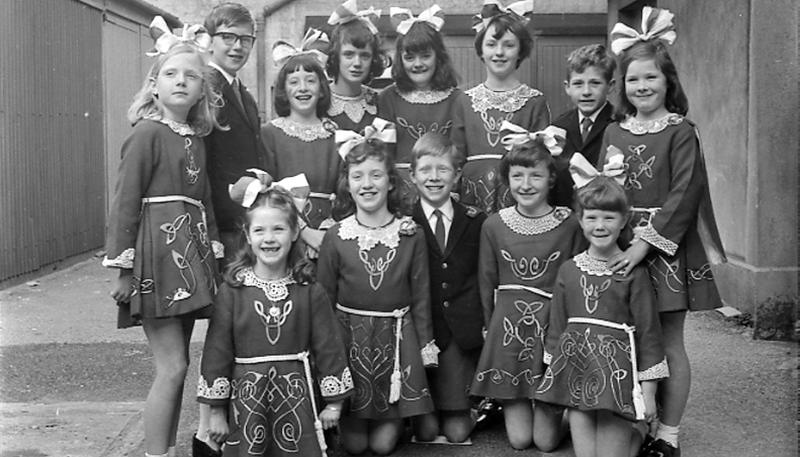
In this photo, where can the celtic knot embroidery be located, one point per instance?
(636, 166)
(529, 269)
(416, 131)
(376, 267)
(273, 318)
(592, 292)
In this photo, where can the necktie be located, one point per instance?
(586, 127)
(439, 229)
(237, 91)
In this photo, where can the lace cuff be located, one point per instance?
(430, 354)
(651, 236)
(220, 390)
(657, 371)
(218, 248)
(124, 260)
(331, 386)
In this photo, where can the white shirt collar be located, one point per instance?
(446, 209)
(227, 75)
(594, 115)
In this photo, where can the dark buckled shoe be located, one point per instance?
(660, 448)
(201, 449)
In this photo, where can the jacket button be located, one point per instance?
(445, 285)
(446, 303)
(444, 265)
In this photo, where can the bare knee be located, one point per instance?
(457, 427)
(173, 374)
(426, 427)
(519, 441)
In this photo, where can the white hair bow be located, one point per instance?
(552, 137)
(348, 11)
(247, 188)
(403, 19)
(380, 129)
(492, 8)
(194, 35)
(656, 25)
(583, 172)
(314, 39)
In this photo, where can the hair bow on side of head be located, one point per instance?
(554, 138)
(380, 129)
(492, 8)
(164, 39)
(246, 190)
(313, 41)
(403, 19)
(348, 11)
(583, 172)
(656, 25)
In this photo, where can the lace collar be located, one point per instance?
(303, 132)
(533, 225)
(369, 237)
(181, 128)
(354, 107)
(275, 290)
(507, 101)
(592, 266)
(424, 97)
(653, 126)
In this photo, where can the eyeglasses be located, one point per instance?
(230, 39)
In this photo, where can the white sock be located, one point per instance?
(171, 451)
(668, 433)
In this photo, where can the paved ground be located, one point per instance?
(71, 385)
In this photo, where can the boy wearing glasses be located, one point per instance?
(229, 152)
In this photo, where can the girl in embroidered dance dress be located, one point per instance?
(424, 93)
(354, 59)
(673, 220)
(521, 248)
(269, 320)
(374, 264)
(161, 234)
(604, 336)
(502, 43)
(301, 139)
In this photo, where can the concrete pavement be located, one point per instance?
(71, 385)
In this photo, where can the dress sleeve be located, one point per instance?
(419, 282)
(558, 316)
(487, 272)
(216, 365)
(271, 154)
(139, 157)
(650, 357)
(328, 348)
(328, 264)
(540, 117)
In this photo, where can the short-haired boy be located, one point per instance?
(590, 76)
(452, 231)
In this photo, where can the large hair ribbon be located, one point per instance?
(247, 188)
(583, 172)
(380, 129)
(492, 8)
(656, 25)
(348, 11)
(403, 19)
(552, 137)
(164, 39)
(313, 41)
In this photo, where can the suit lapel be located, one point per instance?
(457, 228)
(250, 106)
(599, 124)
(574, 131)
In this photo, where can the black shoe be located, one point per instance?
(647, 443)
(201, 449)
(487, 413)
(660, 448)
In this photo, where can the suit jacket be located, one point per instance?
(562, 193)
(455, 302)
(231, 152)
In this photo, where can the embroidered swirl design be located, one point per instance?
(592, 292)
(636, 166)
(376, 267)
(529, 269)
(273, 318)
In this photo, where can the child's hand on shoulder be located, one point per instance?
(628, 259)
(330, 415)
(124, 287)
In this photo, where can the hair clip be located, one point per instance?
(493, 8)
(348, 11)
(247, 188)
(403, 19)
(656, 25)
(164, 39)
(312, 42)
(553, 138)
(380, 129)
(583, 172)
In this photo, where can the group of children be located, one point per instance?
(407, 252)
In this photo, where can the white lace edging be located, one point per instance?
(657, 371)
(220, 390)
(653, 126)
(353, 107)
(507, 101)
(180, 128)
(430, 354)
(124, 260)
(592, 266)
(331, 386)
(218, 248)
(651, 236)
(533, 225)
(425, 97)
(307, 133)
(368, 237)
(275, 290)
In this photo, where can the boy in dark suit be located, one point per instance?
(590, 76)
(452, 231)
(231, 152)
